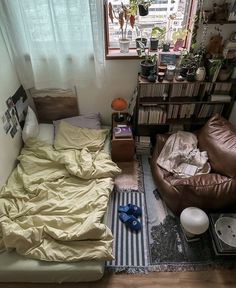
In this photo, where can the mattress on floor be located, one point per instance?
(16, 268)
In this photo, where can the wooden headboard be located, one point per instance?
(54, 104)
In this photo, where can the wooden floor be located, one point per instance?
(209, 279)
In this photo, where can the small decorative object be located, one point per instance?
(119, 104)
(194, 221)
(165, 96)
(200, 73)
(152, 76)
(162, 68)
(167, 58)
(160, 76)
(215, 46)
(170, 72)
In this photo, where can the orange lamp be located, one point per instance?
(119, 104)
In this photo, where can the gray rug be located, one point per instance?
(160, 245)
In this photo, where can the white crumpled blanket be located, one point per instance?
(181, 156)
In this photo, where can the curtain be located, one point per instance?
(54, 43)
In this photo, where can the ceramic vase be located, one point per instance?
(200, 74)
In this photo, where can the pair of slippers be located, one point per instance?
(128, 215)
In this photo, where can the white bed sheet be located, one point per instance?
(16, 268)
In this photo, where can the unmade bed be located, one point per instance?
(53, 206)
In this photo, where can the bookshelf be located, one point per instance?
(162, 105)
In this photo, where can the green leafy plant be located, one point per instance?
(180, 33)
(158, 32)
(144, 52)
(125, 13)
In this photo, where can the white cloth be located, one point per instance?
(181, 156)
(54, 43)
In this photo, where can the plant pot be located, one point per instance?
(143, 11)
(200, 73)
(178, 44)
(166, 47)
(124, 45)
(147, 68)
(143, 40)
(183, 71)
(190, 76)
(224, 74)
(154, 44)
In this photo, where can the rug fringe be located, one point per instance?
(127, 270)
(189, 267)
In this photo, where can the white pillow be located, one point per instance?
(31, 127)
(46, 133)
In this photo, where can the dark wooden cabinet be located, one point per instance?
(122, 149)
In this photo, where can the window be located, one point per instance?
(172, 15)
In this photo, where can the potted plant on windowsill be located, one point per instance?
(148, 65)
(125, 14)
(157, 34)
(143, 6)
(178, 38)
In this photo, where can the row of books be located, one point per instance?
(154, 90)
(180, 111)
(152, 115)
(196, 89)
(159, 114)
(222, 87)
(207, 110)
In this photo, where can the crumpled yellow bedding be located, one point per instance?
(52, 205)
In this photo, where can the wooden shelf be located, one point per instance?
(190, 111)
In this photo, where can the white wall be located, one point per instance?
(120, 80)
(9, 84)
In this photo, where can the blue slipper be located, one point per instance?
(131, 209)
(130, 221)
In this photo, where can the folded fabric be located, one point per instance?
(130, 221)
(130, 209)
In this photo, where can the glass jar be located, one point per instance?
(170, 72)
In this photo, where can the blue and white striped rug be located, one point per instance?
(130, 249)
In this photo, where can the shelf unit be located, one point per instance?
(187, 103)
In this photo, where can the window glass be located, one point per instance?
(171, 14)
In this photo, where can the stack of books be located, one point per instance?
(221, 247)
(143, 144)
(122, 131)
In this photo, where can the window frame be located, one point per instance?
(114, 53)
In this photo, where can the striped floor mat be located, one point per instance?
(129, 248)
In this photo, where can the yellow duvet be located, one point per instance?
(53, 203)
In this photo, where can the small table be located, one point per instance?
(122, 149)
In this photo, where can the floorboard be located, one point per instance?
(209, 279)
